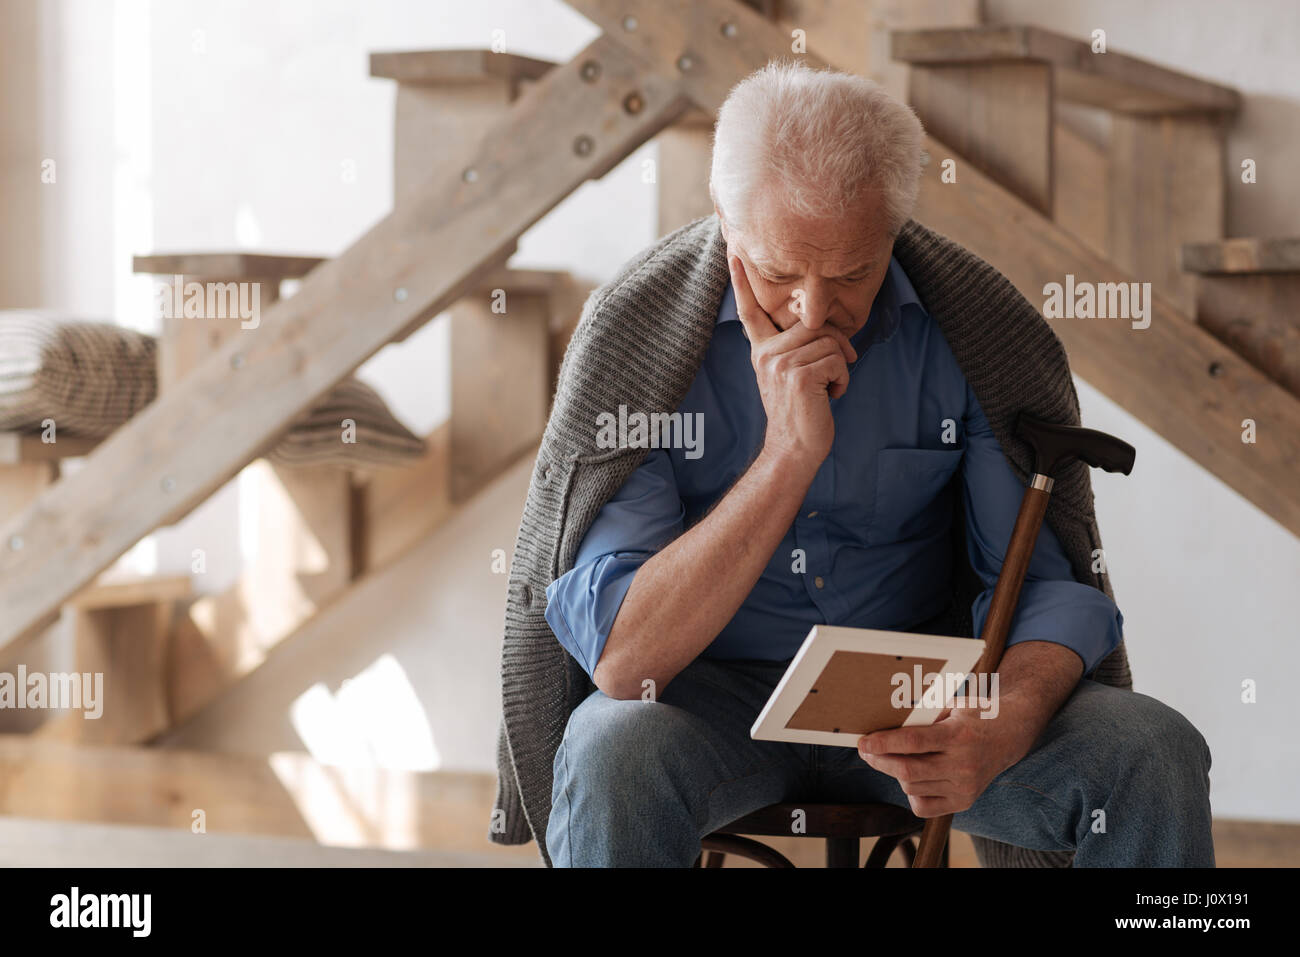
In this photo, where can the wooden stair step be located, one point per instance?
(1114, 81)
(438, 67)
(30, 842)
(212, 266)
(286, 794)
(136, 590)
(21, 448)
(446, 100)
(1247, 294)
(533, 282)
(1242, 256)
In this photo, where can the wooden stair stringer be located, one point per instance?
(561, 132)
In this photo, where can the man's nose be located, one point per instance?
(811, 305)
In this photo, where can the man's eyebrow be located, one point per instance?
(780, 271)
(865, 267)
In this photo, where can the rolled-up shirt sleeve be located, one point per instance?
(642, 517)
(1053, 605)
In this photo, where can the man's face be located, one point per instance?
(815, 271)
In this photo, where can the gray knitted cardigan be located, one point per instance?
(639, 342)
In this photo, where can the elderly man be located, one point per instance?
(855, 376)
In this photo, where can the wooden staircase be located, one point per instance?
(1009, 99)
(486, 144)
(1041, 200)
(475, 200)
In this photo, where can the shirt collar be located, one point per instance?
(895, 292)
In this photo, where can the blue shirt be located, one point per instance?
(870, 547)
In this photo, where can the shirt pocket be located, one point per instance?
(909, 487)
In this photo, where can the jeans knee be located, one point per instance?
(623, 784)
(1165, 738)
(624, 740)
(620, 758)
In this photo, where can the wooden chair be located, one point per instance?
(843, 826)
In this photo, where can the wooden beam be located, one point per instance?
(706, 45)
(20, 485)
(1118, 82)
(1174, 376)
(477, 201)
(1247, 255)
(499, 385)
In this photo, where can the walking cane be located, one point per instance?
(1054, 446)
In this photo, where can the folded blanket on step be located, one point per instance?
(91, 377)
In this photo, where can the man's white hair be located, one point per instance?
(818, 137)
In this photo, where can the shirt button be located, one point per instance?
(818, 582)
(812, 514)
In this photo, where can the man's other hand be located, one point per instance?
(944, 767)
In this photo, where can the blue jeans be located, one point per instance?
(639, 784)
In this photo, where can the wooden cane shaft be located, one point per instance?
(997, 625)
(1006, 593)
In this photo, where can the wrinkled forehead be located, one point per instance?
(829, 252)
(779, 238)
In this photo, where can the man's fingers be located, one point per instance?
(799, 334)
(906, 740)
(758, 324)
(916, 769)
(832, 371)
